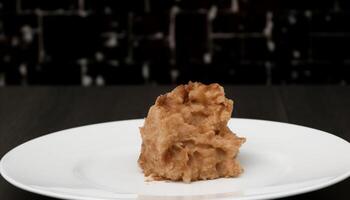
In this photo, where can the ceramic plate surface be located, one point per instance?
(100, 162)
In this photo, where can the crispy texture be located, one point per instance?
(185, 135)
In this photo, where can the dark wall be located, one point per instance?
(106, 42)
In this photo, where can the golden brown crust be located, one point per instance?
(185, 135)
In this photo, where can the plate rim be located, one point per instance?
(275, 195)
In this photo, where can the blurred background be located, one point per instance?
(109, 42)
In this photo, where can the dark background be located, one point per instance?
(108, 42)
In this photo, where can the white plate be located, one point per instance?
(100, 162)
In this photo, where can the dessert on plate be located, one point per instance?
(185, 135)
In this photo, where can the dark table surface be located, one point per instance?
(29, 112)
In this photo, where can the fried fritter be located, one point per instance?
(185, 135)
